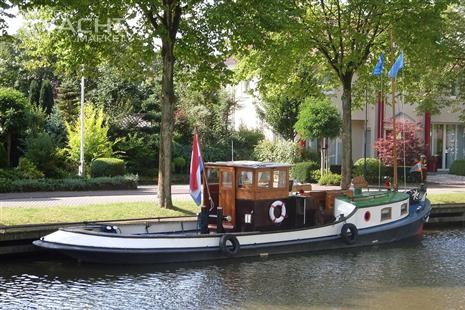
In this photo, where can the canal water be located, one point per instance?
(426, 275)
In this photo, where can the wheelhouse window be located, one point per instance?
(213, 176)
(403, 209)
(245, 179)
(226, 181)
(279, 178)
(264, 178)
(386, 214)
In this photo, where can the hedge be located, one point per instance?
(70, 184)
(303, 171)
(374, 168)
(107, 167)
(458, 167)
(330, 179)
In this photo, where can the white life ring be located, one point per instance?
(274, 219)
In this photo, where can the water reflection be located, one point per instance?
(430, 273)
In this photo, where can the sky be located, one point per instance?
(14, 23)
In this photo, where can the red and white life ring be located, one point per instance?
(273, 218)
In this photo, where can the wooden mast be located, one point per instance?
(394, 133)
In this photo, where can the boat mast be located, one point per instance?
(393, 102)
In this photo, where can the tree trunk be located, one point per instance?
(322, 156)
(346, 99)
(8, 149)
(167, 124)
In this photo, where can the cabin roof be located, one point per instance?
(247, 164)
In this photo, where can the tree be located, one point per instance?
(181, 26)
(319, 119)
(34, 92)
(68, 100)
(4, 5)
(14, 112)
(407, 141)
(281, 114)
(96, 143)
(338, 37)
(46, 96)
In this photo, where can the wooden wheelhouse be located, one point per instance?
(244, 191)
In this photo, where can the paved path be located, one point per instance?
(443, 183)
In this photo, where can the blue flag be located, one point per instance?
(399, 64)
(378, 69)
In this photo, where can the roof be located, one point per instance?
(248, 164)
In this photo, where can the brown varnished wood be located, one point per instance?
(227, 195)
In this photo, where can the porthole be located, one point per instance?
(367, 216)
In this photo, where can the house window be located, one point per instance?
(245, 179)
(386, 214)
(226, 181)
(264, 179)
(403, 209)
(279, 178)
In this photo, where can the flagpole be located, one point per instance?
(393, 91)
(212, 204)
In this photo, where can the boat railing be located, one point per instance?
(366, 197)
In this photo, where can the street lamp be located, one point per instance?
(81, 160)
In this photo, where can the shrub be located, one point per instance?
(107, 167)
(330, 179)
(278, 151)
(373, 166)
(28, 170)
(96, 142)
(245, 141)
(41, 151)
(70, 184)
(458, 167)
(9, 174)
(303, 172)
(315, 175)
(179, 164)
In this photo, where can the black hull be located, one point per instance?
(366, 237)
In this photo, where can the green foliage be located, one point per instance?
(179, 164)
(245, 141)
(70, 184)
(281, 114)
(330, 179)
(10, 174)
(318, 118)
(3, 156)
(278, 151)
(68, 100)
(96, 143)
(42, 152)
(28, 170)
(107, 167)
(34, 92)
(140, 152)
(56, 128)
(303, 171)
(46, 96)
(458, 167)
(375, 167)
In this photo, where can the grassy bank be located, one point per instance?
(115, 211)
(447, 198)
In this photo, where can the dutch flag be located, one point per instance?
(195, 182)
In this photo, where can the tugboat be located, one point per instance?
(251, 211)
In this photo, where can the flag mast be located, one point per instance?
(393, 103)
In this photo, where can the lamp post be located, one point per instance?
(81, 160)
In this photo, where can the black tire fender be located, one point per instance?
(349, 233)
(229, 250)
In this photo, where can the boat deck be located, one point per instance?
(370, 199)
